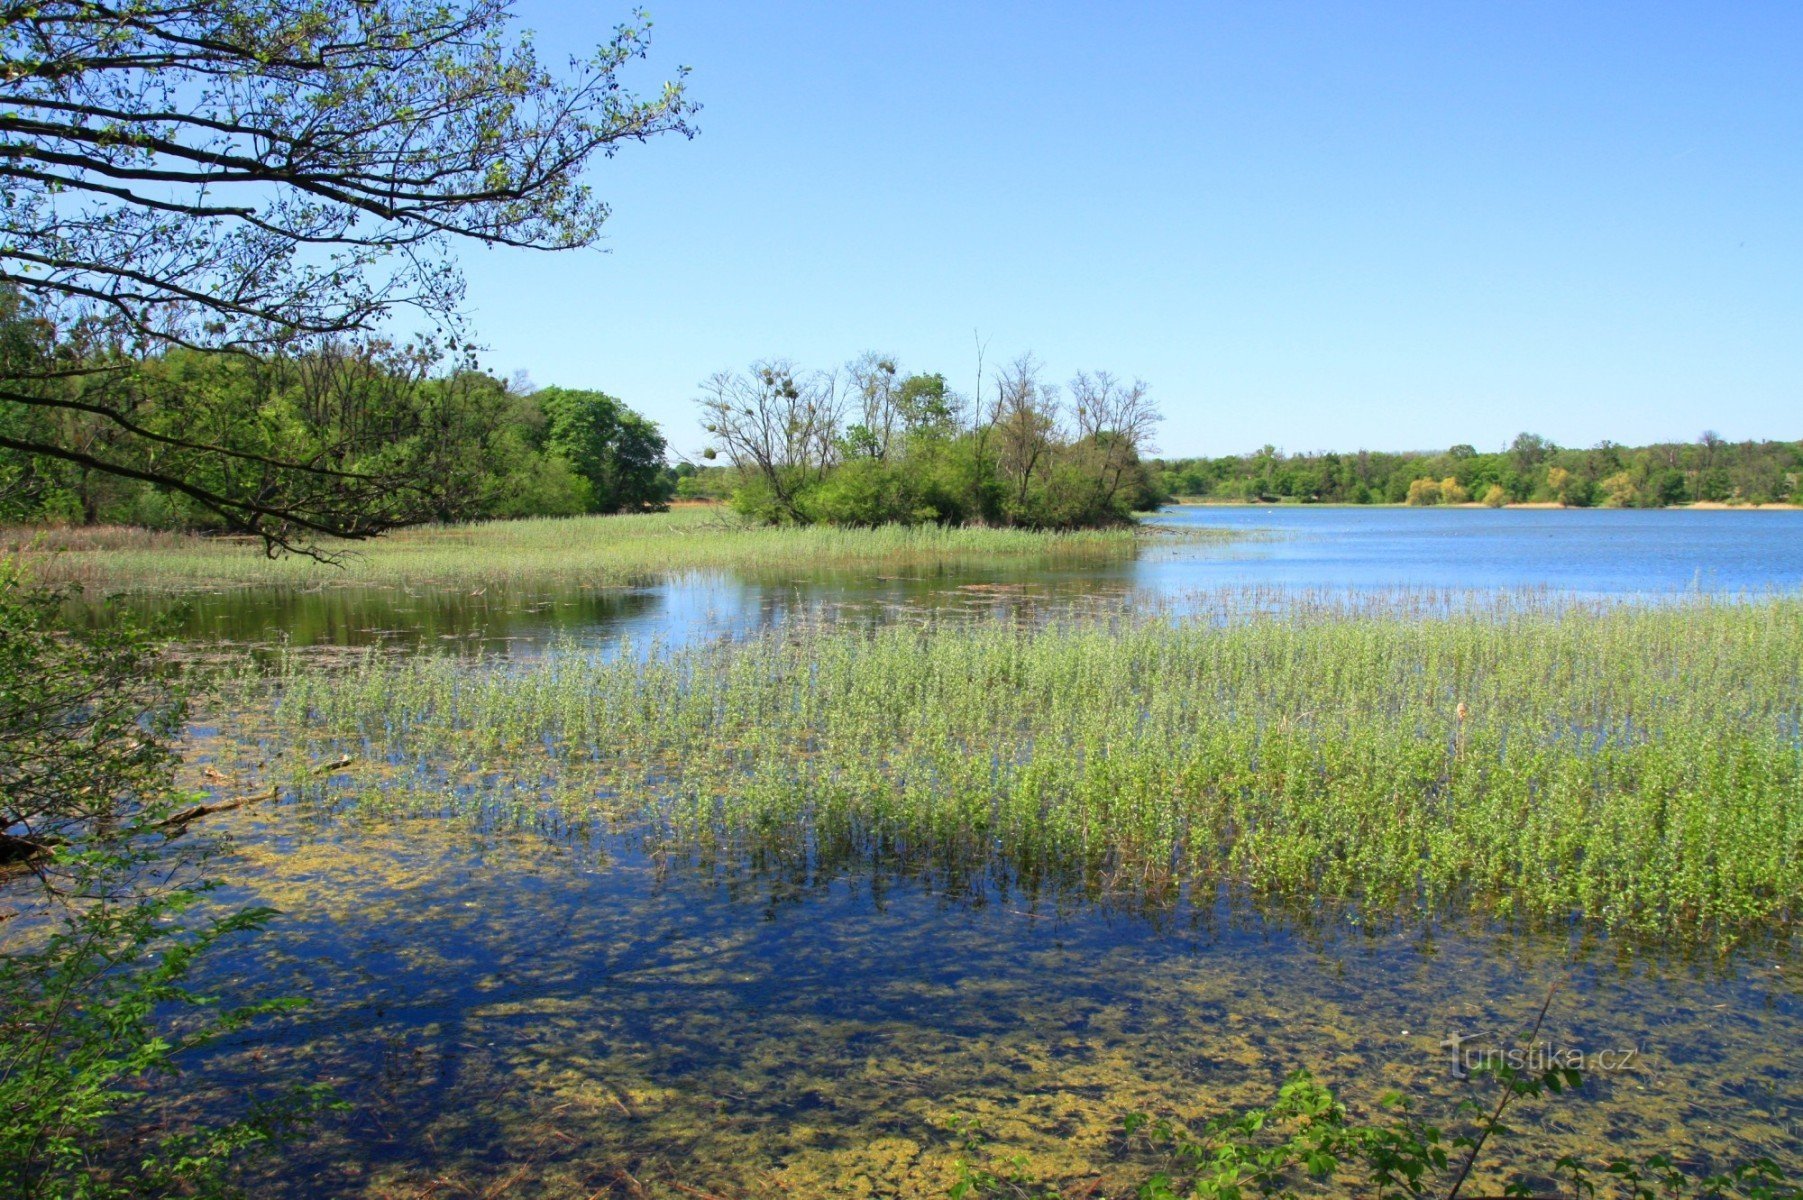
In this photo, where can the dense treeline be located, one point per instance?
(871, 445)
(1531, 469)
(467, 445)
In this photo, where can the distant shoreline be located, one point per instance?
(1694, 506)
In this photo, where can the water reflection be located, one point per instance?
(583, 1018)
(1283, 552)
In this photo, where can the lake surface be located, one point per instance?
(569, 1012)
(1593, 552)
(1291, 550)
(517, 1006)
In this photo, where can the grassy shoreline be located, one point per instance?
(598, 551)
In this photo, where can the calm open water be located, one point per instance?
(1296, 549)
(562, 1013)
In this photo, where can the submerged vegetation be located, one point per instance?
(1636, 768)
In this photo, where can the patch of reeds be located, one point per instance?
(602, 551)
(1636, 767)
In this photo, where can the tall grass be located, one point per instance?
(1636, 767)
(593, 550)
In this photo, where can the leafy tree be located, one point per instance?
(616, 451)
(1425, 491)
(1656, 475)
(259, 176)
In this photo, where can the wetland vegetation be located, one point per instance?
(834, 905)
(1629, 767)
(914, 821)
(593, 552)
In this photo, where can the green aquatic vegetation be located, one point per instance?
(1639, 768)
(595, 551)
(1308, 1142)
(578, 1009)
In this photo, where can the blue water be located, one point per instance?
(1586, 551)
(1345, 551)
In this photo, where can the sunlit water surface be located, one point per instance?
(559, 1012)
(1278, 552)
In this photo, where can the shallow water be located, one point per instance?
(557, 1012)
(579, 1017)
(1281, 551)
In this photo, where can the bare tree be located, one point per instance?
(1023, 422)
(776, 423)
(873, 380)
(1117, 420)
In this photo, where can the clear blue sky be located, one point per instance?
(1325, 226)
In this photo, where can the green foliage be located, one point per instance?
(1530, 469)
(83, 725)
(99, 1012)
(94, 1003)
(389, 436)
(1307, 1144)
(867, 492)
(909, 451)
(382, 135)
(616, 451)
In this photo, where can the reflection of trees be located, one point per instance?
(374, 616)
(676, 1016)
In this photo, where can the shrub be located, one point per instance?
(93, 1001)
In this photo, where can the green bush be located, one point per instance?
(94, 1004)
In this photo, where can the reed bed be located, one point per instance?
(602, 551)
(1635, 767)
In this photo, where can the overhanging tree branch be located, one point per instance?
(262, 175)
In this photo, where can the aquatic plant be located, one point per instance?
(1535, 761)
(1306, 1143)
(1309, 1143)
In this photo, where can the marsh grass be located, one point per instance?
(1635, 767)
(600, 551)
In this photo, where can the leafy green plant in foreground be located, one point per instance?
(104, 926)
(93, 1016)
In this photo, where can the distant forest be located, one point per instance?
(1531, 469)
